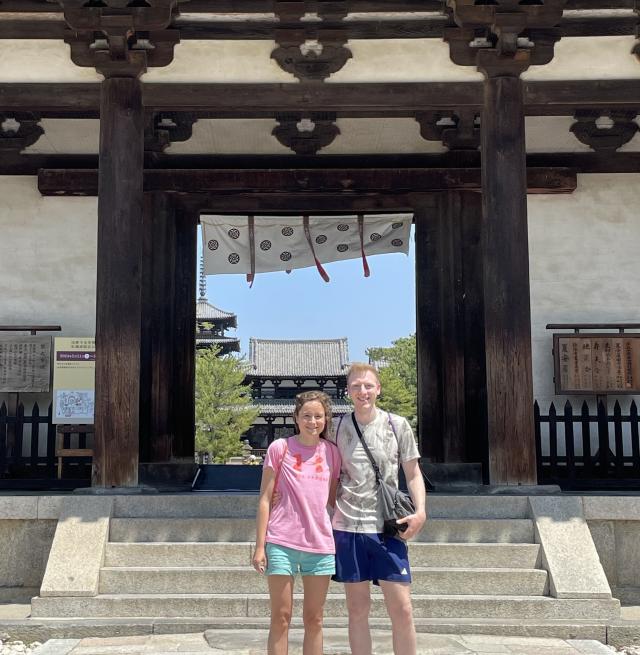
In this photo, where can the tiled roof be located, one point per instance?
(285, 406)
(208, 341)
(206, 311)
(298, 358)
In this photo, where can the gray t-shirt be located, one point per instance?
(356, 504)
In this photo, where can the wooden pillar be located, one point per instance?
(184, 333)
(118, 296)
(158, 320)
(512, 455)
(449, 318)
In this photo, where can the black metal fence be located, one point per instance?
(28, 452)
(584, 450)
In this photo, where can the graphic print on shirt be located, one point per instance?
(300, 520)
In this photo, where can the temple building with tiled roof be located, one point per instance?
(212, 323)
(280, 369)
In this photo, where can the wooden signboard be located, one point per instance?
(25, 364)
(74, 380)
(597, 364)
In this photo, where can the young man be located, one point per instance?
(363, 554)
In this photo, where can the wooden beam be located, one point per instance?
(450, 329)
(507, 314)
(224, 100)
(118, 294)
(349, 182)
(431, 27)
(299, 203)
(583, 162)
(266, 6)
(158, 326)
(184, 336)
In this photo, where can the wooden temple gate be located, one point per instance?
(472, 270)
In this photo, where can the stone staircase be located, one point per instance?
(475, 561)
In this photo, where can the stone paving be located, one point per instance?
(239, 642)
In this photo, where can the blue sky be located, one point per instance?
(370, 311)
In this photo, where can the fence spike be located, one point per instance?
(36, 410)
(567, 405)
(3, 409)
(552, 410)
(585, 408)
(616, 408)
(633, 408)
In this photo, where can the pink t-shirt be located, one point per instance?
(300, 519)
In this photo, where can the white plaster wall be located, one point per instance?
(47, 260)
(247, 136)
(374, 60)
(584, 264)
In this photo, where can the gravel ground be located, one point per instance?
(8, 647)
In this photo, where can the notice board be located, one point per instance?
(25, 364)
(597, 364)
(74, 370)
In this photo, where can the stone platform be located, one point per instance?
(518, 566)
(239, 642)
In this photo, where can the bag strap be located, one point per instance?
(284, 454)
(338, 430)
(395, 434)
(366, 449)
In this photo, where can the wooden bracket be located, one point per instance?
(456, 130)
(604, 138)
(18, 131)
(306, 134)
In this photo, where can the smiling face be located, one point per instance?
(364, 389)
(311, 419)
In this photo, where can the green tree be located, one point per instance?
(398, 376)
(223, 411)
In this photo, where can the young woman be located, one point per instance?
(295, 535)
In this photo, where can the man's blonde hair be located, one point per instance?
(360, 368)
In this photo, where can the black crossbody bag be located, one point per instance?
(395, 504)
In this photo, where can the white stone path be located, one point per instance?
(239, 642)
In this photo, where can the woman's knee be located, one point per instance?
(312, 619)
(281, 617)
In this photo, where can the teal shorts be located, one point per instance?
(289, 561)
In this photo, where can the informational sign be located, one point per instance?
(25, 364)
(597, 364)
(74, 369)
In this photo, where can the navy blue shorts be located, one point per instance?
(370, 556)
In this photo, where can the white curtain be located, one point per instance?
(260, 244)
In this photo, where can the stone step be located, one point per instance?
(239, 530)
(178, 554)
(41, 629)
(239, 505)
(244, 580)
(257, 605)
(512, 556)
